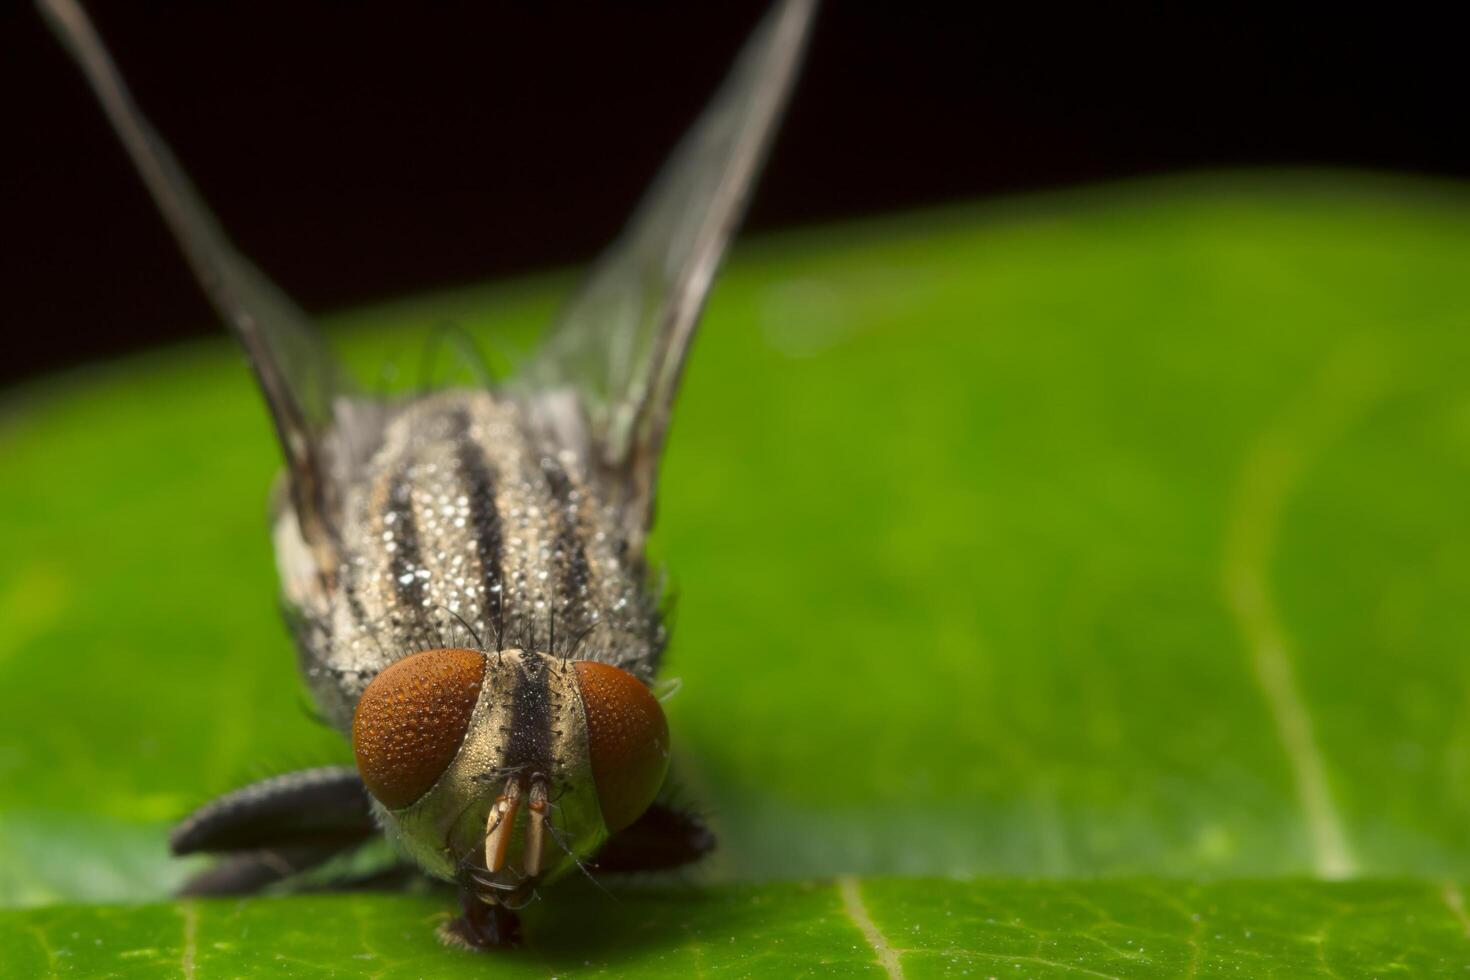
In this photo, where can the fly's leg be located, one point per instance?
(247, 872)
(274, 829)
(662, 839)
(483, 924)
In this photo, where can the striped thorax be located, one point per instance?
(470, 526)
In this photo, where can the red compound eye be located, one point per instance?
(411, 719)
(628, 739)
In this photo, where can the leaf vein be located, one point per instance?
(189, 912)
(857, 912)
(1272, 470)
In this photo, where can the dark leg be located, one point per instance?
(661, 839)
(274, 829)
(246, 872)
(294, 808)
(482, 926)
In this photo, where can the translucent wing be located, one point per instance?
(621, 343)
(298, 376)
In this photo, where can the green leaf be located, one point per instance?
(1113, 540)
(915, 928)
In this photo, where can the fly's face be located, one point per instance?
(520, 511)
(505, 770)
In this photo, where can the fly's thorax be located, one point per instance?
(505, 769)
(471, 524)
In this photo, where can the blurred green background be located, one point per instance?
(1070, 585)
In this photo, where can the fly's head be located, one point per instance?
(505, 770)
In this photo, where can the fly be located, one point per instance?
(464, 571)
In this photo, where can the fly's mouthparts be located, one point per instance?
(535, 830)
(500, 825)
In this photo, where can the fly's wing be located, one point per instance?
(620, 344)
(298, 376)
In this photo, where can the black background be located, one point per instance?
(369, 150)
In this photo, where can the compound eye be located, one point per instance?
(628, 739)
(411, 720)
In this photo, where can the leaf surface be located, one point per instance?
(877, 928)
